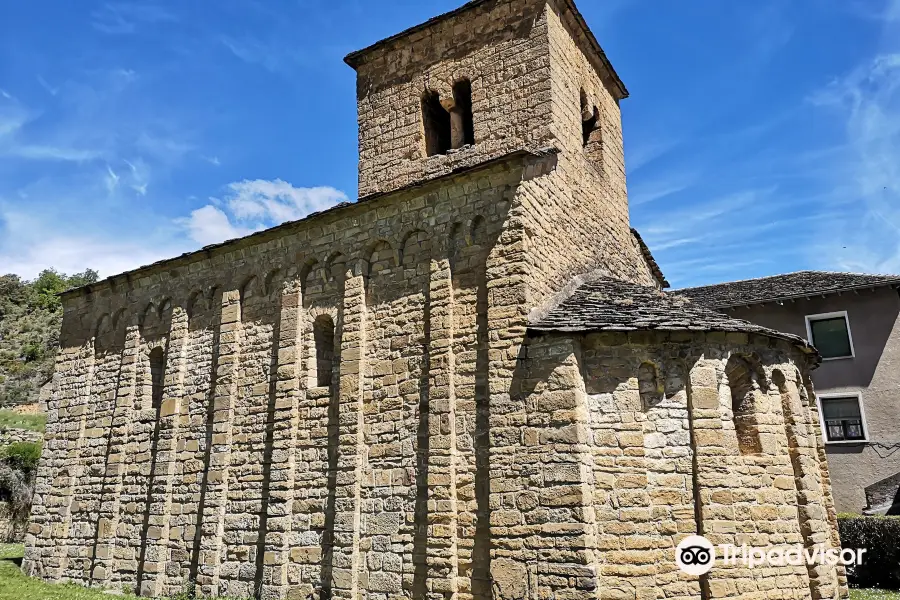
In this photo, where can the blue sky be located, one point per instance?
(761, 136)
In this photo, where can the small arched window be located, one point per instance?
(323, 336)
(157, 376)
(743, 382)
(651, 391)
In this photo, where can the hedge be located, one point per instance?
(880, 537)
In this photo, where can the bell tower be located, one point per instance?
(474, 84)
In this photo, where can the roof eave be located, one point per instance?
(356, 58)
(895, 283)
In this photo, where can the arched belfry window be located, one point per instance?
(437, 124)
(449, 125)
(323, 337)
(462, 124)
(157, 375)
(743, 382)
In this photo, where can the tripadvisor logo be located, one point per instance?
(696, 555)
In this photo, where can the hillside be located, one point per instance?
(30, 317)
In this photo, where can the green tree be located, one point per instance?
(30, 320)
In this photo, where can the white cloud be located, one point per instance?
(210, 225)
(278, 201)
(111, 179)
(34, 242)
(123, 18)
(57, 153)
(139, 178)
(867, 104)
(53, 91)
(254, 205)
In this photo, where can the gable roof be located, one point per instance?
(789, 286)
(608, 304)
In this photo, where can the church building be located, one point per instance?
(467, 384)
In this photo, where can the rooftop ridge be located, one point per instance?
(604, 303)
(786, 286)
(354, 59)
(764, 277)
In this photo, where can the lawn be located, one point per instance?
(10, 419)
(874, 595)
(15, 586)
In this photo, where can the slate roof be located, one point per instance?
(608, 304)
(783, 287)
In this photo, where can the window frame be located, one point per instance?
(831, 315)
(862, 417)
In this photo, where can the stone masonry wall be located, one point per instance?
(628, 445)
(234, 467)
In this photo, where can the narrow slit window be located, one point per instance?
(157, 374)
(323, 334)
(591, 133)
(437, 124)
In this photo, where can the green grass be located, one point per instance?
(16, 586)
(10, 419)
(869, 594)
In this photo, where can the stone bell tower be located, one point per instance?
(488, 78)
(496, 77)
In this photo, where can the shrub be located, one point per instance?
(880, 537)
(23, 456)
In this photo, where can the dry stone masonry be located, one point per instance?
(467, 384)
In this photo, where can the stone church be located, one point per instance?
(467, 384)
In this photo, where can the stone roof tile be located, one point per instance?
(783, 287)
(607, 304)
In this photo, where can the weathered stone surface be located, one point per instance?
(353, 405)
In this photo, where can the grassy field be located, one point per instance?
(15, 586)
(874, 595)
(12, 420)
